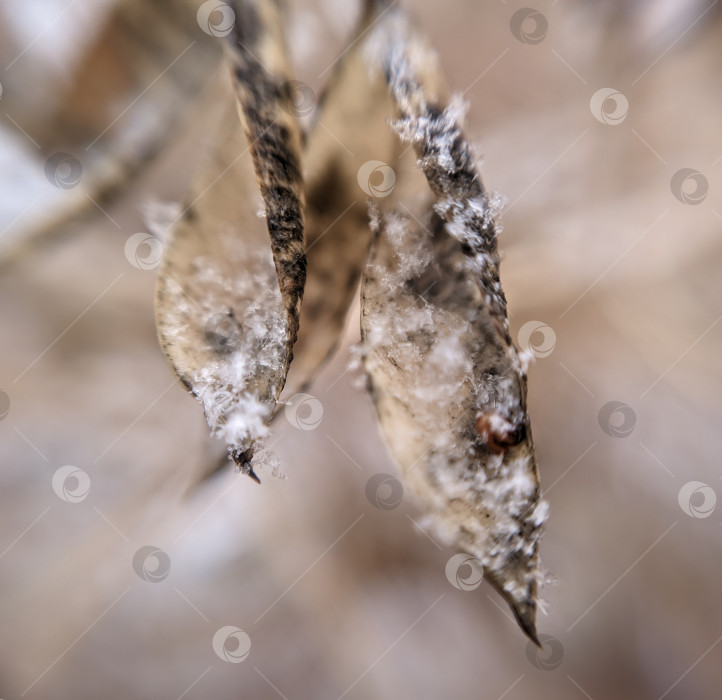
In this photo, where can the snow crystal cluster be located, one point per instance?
(238, 326)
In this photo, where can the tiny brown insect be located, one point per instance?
(498, 433)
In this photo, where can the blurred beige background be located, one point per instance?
(339, 598)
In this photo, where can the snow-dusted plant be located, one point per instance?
(447, 381)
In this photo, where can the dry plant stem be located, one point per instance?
(139, 40)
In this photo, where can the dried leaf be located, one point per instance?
(447, 381)
(349, 130)
(353, 113)
(226, 309)
(263, 85)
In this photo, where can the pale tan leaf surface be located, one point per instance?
(227, 301)
(447, 381)
(350, 129)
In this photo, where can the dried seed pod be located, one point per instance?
(227, 303)
(262, 82)
(350, 128)
(445, 376)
